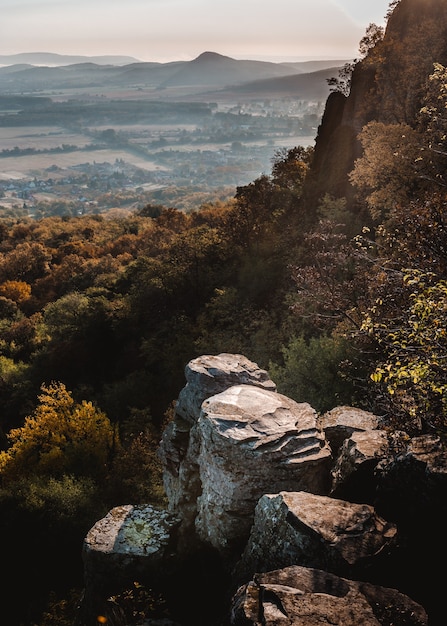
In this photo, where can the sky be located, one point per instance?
(172, 30)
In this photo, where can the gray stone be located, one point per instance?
(311, 597)
(252, 442)
(353, 476)
(299, 528)
(206, 376)
(211, 374)
(339, 424)
(128, 543)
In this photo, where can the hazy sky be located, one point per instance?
(166, 30)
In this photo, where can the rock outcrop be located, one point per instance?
(206, 376)
(301, 595)
(251, 441)
(265, 502)
(319, 532)
(386, 87)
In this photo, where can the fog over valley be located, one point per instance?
(92, 135)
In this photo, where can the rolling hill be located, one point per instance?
(208, 72)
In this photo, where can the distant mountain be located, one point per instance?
(55, 60)
(312, 86)
(212, 69)
(315, 66)
(207, 73)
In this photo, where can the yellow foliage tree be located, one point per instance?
(17, 290)
(416, 351)
(60, 437)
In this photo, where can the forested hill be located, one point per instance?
(388, 85)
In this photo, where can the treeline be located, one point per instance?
(45, 112)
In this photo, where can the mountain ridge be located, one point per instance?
(54, 59)
(209, 71)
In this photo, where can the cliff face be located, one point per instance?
(387, 86)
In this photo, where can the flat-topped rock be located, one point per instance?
(129, 540)
(211, 374)
(253, 441)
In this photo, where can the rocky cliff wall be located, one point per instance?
(387, 86)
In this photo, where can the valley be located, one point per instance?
(180, 135)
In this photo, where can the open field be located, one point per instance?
(32, 165)
(40, 138)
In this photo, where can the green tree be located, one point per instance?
(315, 371)
(413, 373)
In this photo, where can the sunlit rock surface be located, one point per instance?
(311, 597)
(180, 445)
(252, 441)
(208, 375)
(299, 528)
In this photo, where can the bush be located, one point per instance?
(313, 372)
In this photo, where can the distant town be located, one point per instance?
(128, 167)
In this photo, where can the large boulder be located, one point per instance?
(299, 528)
(299, 595)
(206, 376)
(251, 442)
(131, 543)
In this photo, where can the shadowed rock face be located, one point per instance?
(387, 88)
(353, 475)
(315, 531)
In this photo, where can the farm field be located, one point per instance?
(79, 152)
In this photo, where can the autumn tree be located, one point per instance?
(15, 290)
(60, 437)
(387, 173)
